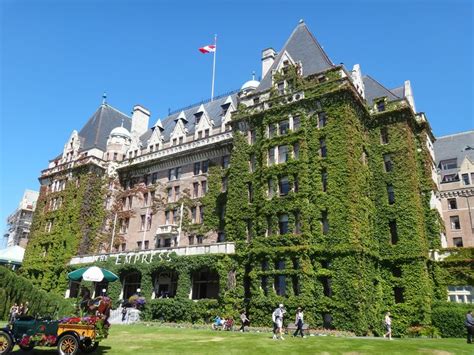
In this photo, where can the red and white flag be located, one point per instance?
(207, 49)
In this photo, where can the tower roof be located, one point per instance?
(95, 132)
(304, 48)
(373, 90)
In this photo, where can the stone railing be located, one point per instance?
(177, 149)
(147, 256)
(167, 229)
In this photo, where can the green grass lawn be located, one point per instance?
(141, 339)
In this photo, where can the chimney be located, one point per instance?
(409, 94)
(268, 57)
(140, 117)
(357, 80)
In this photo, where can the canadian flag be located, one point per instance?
(207, 49)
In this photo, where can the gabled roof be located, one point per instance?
(212, 108)
(457, 146)
(304, 48)
(373, 90)
(95, 132)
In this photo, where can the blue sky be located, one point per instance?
(57, 57)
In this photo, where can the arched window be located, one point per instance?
(131, 283)
(205, 284)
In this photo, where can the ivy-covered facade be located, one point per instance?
(312, 188)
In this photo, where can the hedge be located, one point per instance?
(17, 289)
(449, 319)
(182, 310)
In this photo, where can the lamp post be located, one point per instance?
(104, 291)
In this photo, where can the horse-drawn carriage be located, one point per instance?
(69, 335)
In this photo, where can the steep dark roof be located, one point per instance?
(373, 90)
(304, 48)
(95, 132)
(454, 146)
(400, 91)
(213, 109)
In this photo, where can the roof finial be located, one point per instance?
(253, 75)
(104, 98)
(301, 21)
(122, 122)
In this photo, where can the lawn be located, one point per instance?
(141, 339)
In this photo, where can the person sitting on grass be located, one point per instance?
(217, 323)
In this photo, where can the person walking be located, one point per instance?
(469, 323)
(388, 326)
(245, 321)
(277, 317)
(124, 313)
(299, 322)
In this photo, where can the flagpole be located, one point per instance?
(214, 67)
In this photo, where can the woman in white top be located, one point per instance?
(388, 326)
(299, 322)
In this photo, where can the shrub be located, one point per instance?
(449, 319)
(181, 310)
(17, 289)
(423, 332)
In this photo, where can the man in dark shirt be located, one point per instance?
(469, 323)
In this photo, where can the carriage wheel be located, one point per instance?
(68, 345)
(6, 342)
(88, 345)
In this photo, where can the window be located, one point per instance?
(205, 166)
(167, 243)
(171, 174)
(203, 187)
(130, 202)
(322, 149)
(139, 245)
(178, 173)
(181, 140)
(225, 161)
(296, 151)
(197, 168)
(271, 191)
(280, 280)
(191, 239)
(281, 88)
(250, 192)
(272, 130)
(465, 179)
(147, 244)
(177, 193)
(167, 217)
(322, 119)
(115, 156)
(206, 132)
(201, 214)
(381, 106)
(142, 222)
(145, 199)
(249, 230)
(154, 178)
(297, 223)
(387, 161)
(384, 135)
(296, 123)
(252, 136)
(396, 271)
(146, 179)
(393, 232)
(123, 246)
(398, 293)
(169, 193)
(391, 194)
(271, 156)
(283, 223)
(296, 183)
(264, 278)
(284, 186)
(224, 183)
(284, 127)
(205, 284)
(283, 154)
(324, 179)
(455, 224)
(269, 226)
(452, 204)
(200, 239)
(252, 163)
(324, 222)
(450, 178)
(193, 214)
(195, 189)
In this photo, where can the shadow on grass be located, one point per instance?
(53, 350)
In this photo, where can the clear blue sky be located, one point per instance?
(57, 57)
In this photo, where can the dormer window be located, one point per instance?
(281, 88)
(225, 108)
(284, 69)
(381, 106)
(198, 116)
